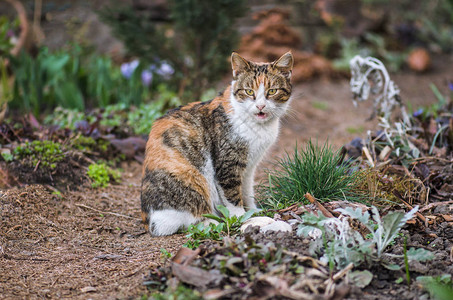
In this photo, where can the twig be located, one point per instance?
(343, 272)
(104, 212)
(419, 215)
(289, 207)
(324, 211)
(24, 258)
(432, 205)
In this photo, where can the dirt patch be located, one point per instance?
(86, 243)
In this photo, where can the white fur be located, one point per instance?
(169, 221)
(216, 194)
(259, 134)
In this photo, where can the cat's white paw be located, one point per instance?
(169, 221)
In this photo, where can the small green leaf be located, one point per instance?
(225, 212)
(419, 254)
(361, 278)
(247, 215)
(392, 267)
(213, 217)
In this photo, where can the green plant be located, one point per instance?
(141, 118)
(42, 154)
(89, 145)
(165, 254)
(101, 174)
(317, 170)
(195, 40)
(406, 262)
(228, 225)
(201, 232)
(6, 93)
(344, 245)
(7, 29)
(7, 156)
(180, 293)
(439, 287)
(74, 78)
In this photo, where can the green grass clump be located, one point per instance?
(314, 169)
(45, 153)
(101, 174)
(226, 225)
(88, 144)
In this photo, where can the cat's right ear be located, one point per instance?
(238, 64)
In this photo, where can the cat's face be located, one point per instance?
(261, 91)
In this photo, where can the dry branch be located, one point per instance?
(324, 211)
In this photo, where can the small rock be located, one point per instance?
(277, 226)
(257, 221)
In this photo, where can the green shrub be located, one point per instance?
(73, 78)
(315, 170)
(195, 41)
(101, 174)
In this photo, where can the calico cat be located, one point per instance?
(205, 153)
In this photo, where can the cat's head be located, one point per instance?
(260, 92)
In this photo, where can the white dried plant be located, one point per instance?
(370, 77)
(345, 245)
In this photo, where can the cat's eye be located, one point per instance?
(271, 91)
(249, 92)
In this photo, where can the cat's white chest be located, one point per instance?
(259, 137)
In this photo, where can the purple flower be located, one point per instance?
(450, 85)
(147, 77)
(127, 69)
(418, 112)
(10, 33)
(165, 71)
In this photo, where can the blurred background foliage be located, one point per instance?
(174, 52)
(195, 38)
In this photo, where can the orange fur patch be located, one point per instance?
(144, 218)
(165, 158)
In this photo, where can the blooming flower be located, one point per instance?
(418, 112)
(127, 69)
(147, 77)
(165, 71)
(450, 85)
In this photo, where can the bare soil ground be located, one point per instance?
(89, 243)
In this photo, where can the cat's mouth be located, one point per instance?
(261, 115)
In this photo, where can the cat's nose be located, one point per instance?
(261, 106)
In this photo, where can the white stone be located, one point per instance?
(277, 226)
(257, 221)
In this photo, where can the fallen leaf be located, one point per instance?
(194, 276)
(448, 218)
(185, 256)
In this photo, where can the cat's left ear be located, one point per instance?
(284, 63)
